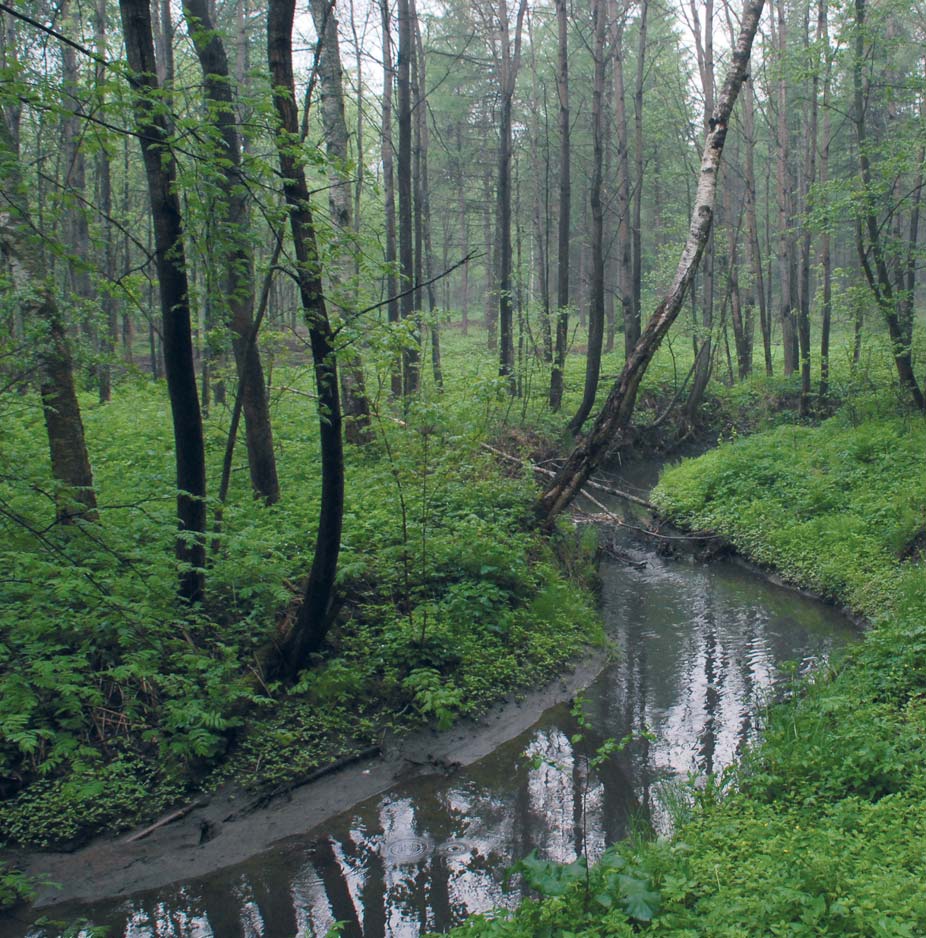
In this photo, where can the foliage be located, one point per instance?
(114, 700)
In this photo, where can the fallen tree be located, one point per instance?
(615, 416)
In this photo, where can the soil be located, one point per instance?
(218, 832)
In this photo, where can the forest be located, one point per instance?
(377, 372)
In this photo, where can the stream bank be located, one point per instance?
(701, 649)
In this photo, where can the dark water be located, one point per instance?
(699, 649)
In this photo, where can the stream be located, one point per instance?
(699, 648)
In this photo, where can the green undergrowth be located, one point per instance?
(821, 829)
(115, 702)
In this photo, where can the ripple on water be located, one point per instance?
(406, 849)
(453, 848)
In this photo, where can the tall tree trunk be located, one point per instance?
(161, 173)
(236, 255)
(596, 304)
(75, 181)
(70, 462)
(878, 277)
(314, 616)
(704, 356)
(826, 260)
(109, 334)
(565, 202)
(340, 282)
(755, 253)
(785, 199)
(810, 173)
(615, 416)
(630, 315)
(636, 226)
(424, 199)
(392, 307)
(508, 62)
(410, 355)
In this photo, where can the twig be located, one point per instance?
(164, 821)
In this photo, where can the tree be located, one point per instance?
(314, 615)
(70, 462)
(161, 174)
(562, 278)
(237, 257)
(596, 299)
(353, 387)
(614, 418)
(872, 254)
(507, 51)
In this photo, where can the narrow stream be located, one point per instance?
(699, 648)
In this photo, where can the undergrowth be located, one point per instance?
(115, 702)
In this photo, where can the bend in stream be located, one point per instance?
(700, 648)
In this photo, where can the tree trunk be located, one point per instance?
(596, 304)
(704, 355)
(424, 200)
(392, 307)
(636, 226)
(810, 172)
(630, 315)
(160, 170)
(783, 181)
(70, 463)
(508, 61)
(314, 616)
(109, 335)
(614, 418)
(236, 255)
(340, 282)
(755, 253)
(565, 197)
(410, 354)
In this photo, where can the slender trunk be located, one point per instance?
(615, 416)
(70, 462)
(235, 253)
(392, 307)
(755, 253)
(630, 315)
(596, 304)
(410, 354)
(161, 172)
(424, 200)
(314, 616)
(340, 283)
(636, 225)
(704, 357)
(565, 196)
(508, 61)
(810, 173)
(109, 335)
(783, 180)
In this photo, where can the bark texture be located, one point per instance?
(314, 616)
(160, 170)
(237, 292)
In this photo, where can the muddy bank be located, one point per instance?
(217, 834)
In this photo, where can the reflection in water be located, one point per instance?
(699, 649)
